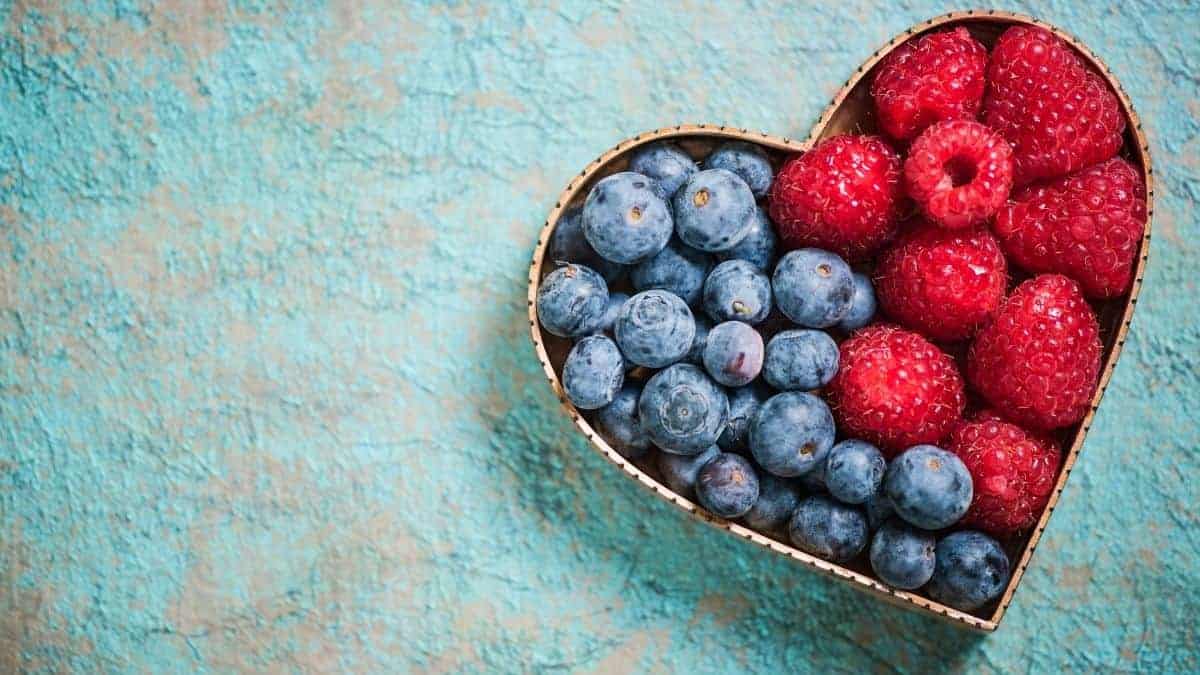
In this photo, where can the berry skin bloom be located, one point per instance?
(1059, 115)
(844, 195)
(1012, 470)
(895, 389)
(937, 77)
(1086, 226)
(944, 283)
(959, 173)
(1038, 361)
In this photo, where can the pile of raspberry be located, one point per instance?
(993, 211)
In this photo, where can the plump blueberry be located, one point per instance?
(683, 410)
(727, 485)
(669, 166)
(854, 471)
(827, 529)
(791, 433)
(971, 570)
(593, 372)
(679, 471)
(743, 406)
(618, 423)
(568, 245)
(696, 353)
(736, 290)
(654, 329)
(625, 218)
(571, 301)
(800, 360)
(777, 500)
(713, 209)
(733, 353)
(879, 509)
(678, 268)
(862, 305)
(813, 288)
(929, 487)
(758, 246)
(616, 300)
(746, 160)
(903, 556)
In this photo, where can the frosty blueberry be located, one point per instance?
(625, 219)
(733, 353)
(854, 471)
(971, 570)
(727, 485)
(902, 555)
(777, 499)
(748, 161)
(679, 471)
(792, 433)
(568, 245)
(683, 410)
(571, 301)
(758, 246)
(618, 423)
(929, 487)
(800, 360)
(669, 166)
(827, 529)
(736, 290)
(813, 288)
(743, 406)
(654, 329)
(593, 372)
(862, 305)
(712, 210)
(678, 268)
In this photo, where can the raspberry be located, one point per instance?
(843, 195)
(1038, 361)
(1012, 470)
(895, 389)
(943, 283)
(1059, 115)
(1086, 225)
(937, 77)
(959, 173)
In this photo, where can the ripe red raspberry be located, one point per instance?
(936, 77)
(843, 195)
(943, 283)
(1012, 470)
(1038, 361)
(959, 173)
(1086, 225)
(895, 389)
(1059, 115)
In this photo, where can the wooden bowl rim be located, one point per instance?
(1142, 156)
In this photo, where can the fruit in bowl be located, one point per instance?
(797, 349)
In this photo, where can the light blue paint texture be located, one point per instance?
(267, 399)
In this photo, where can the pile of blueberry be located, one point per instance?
(713, 360)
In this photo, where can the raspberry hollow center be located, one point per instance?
(960, 170)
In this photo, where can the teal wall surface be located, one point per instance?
(267, 397)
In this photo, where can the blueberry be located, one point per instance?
(727, 485)
(571, 301)
(683, 410)
(593, 372)
(669, 166)
(713, 209)
(679, 471)
(800, 360)
(777, 499)
(759, 244)
(678, 268)
(813, 288)
(879, 509)
(733, 353)
(827, 529)
(746, 160)
(625, 219)
(791, 433)
(568, 245)
(618, 423)
(813, 482)
(743, 406)
(654, 329)
(862, 305)
(971, 570)
(736, 290)
(616, 300)
(696, 353)
(903, 556)
(853, 471)
(929, 487)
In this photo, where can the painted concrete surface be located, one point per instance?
(267, 401)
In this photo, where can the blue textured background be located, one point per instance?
(267, 399)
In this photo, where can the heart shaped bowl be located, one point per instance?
(852, 111)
